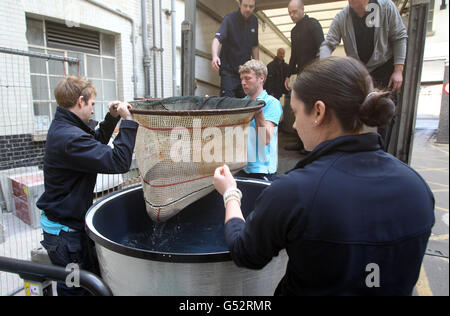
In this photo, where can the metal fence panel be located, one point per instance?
(22, 142)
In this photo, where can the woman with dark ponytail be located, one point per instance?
(353, 219)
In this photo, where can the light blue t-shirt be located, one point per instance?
(264, 159)
(51, 227)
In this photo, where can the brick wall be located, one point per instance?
(20, 151)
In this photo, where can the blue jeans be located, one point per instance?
(67, 248)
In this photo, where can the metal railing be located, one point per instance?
(13, 51)
(39, 272)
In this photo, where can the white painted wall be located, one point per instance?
(436, 45)
(435, 57)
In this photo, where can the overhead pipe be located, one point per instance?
(147, 59)
(133, 35)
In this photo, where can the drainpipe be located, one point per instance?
(172, 14)
(154, 49)
(188, 48)
(174, 50)
(147, 59)
(161, 49)
(133, 35)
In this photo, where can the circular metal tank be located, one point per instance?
(186, 255)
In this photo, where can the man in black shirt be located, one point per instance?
(238, 35)
(306, 38)
(277, 72)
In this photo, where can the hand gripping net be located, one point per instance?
(181, 141)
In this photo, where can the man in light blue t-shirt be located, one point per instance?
(263, 134)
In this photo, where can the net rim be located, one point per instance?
(206, 112)
(197, 112)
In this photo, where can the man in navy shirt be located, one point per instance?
(74, 154)
(238, 35)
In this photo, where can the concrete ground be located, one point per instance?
(431, 161)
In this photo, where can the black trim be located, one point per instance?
(159, 256)
(197, 112)
(151, 255)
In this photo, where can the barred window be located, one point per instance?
(97, 62)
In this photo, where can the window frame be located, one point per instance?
(101, 100)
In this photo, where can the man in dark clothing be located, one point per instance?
(238, 35)
(306, 37)
(74, 154)
(278, 70)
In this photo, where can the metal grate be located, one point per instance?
(60, 36)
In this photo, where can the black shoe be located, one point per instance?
(293, 147)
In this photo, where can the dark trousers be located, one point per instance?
(260, 176)
(275, 95)
(230, 85)
(67, 248)
(381, 77)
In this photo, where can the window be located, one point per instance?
(94, 50)
(430, 18)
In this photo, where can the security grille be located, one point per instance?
(60, 36)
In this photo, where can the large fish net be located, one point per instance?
(181, 141)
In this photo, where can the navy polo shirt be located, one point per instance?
(346, 206)
(237, 36)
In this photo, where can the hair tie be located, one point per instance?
(373, 92)
(368, 96)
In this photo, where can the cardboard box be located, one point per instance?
(5, 183)
(27, 189)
